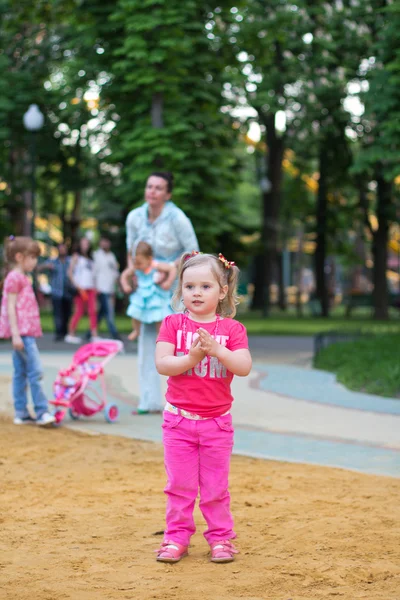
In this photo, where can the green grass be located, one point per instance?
(290, 324)
(371, 364)
(279, 323)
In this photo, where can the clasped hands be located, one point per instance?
(204, 345)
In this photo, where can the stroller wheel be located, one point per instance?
(111, 412)
(73, 415)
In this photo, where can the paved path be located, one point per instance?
(296, 350)
(281, 411)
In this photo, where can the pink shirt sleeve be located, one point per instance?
(238, 337)
(168, 329)
(14, 283)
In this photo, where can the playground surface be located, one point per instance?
(82, 514)
(82, 511)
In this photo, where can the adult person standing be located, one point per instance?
(81, 274)
(61, 290)
(167, 229)
(106, 272)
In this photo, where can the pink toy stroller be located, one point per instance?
(74, 388)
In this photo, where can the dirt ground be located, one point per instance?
(81, 515)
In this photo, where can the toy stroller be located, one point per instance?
(74, 388)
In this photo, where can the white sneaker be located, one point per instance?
(28, 420)
(96, 338)
(72, 339)
(45, 420)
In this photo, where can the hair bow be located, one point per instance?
(11, 237)
(227, 263)
(193, 253)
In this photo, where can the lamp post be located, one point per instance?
(33, 121)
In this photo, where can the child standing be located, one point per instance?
(201, 350)
(81, 275)
(20, 321)
(150, 303)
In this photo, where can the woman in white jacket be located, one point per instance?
(170, 233)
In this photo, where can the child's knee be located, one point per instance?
(35, 375)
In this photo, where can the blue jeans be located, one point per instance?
(27, 368)
(107, 311)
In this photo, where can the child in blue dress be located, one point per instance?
(150, 302)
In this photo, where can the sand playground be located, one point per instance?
(81, 515)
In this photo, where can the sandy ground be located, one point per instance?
(80, 516)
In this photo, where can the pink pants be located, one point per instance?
(197, 456)
(79, 310)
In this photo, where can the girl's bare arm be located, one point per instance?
(237, 362)
(169, 364)
(12, 317)
(170, 269)
(126, 279)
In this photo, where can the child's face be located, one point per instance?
(142, 263)
(26, 262)
(201, 292)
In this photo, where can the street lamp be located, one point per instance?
(33, 121)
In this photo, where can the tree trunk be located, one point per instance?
(27, 196)
(258, 271)
(320, 250)
(15, 204)
(27, 222)
(282, 299)
(76, 217)
(379, 250)
(272, 196)
(271, 206)
(63, 216)
(298, 270)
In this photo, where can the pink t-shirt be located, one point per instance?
(27, 309)
(205, 389)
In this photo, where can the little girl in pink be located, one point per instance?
(201, 350)
(20, 321)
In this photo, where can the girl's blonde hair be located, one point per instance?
(25, 245)
(224, 275)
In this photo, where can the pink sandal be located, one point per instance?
(223, 551)
(171, 552)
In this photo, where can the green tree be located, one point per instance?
(25, 48)
(164, 96)
(266, 45)
(331, 57)
(40, 67)
(377, 160)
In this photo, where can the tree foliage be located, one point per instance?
(131, 87)
(377, 159)
(164, 96)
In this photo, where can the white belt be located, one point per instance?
(188, 415)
